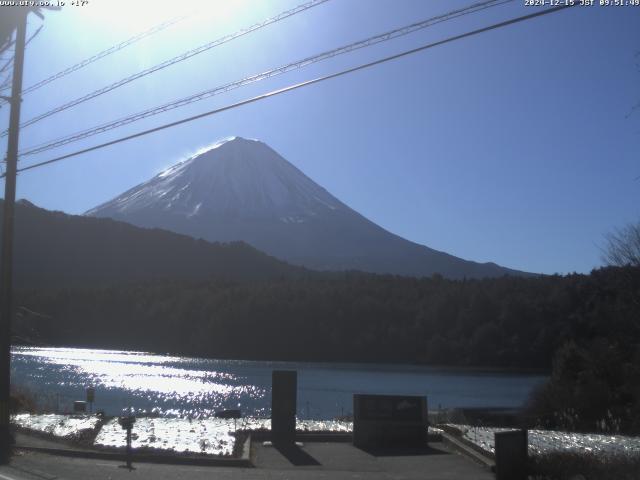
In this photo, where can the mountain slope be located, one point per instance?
(243, 190)
(56, 249)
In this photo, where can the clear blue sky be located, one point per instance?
(513, 146)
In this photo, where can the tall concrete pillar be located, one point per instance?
(284, 389)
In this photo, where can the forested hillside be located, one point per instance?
(56, 249)
(505, 322)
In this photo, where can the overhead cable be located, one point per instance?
(172, 61)
(298, 85)
(383, 37)
(103, 53)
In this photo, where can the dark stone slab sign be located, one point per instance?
(389, 421)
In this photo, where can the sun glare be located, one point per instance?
(135, 16)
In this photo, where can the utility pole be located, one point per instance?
(6, 258)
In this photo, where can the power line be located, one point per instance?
(6, 65)
(10, 43)
(280, 91)
(383, 37)
(33, 35)
(104, 53)
(172, 61)
(7, 80)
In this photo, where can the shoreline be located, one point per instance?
(335, 364)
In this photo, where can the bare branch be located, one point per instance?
(623, 246)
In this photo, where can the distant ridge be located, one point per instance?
(243, 190)
(53, 249)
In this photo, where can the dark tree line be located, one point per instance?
(505, 322)
(53, 249)
(584, 329)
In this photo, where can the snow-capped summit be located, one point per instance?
(234, 178)
(240, 189)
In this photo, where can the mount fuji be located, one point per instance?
(241, 189)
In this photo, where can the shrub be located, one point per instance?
(569, 466)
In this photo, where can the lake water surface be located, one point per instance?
(183, 386)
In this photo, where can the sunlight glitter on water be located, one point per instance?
(61, 355)
(164, 382)
(137, 371)
(195, 387)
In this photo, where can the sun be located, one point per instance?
(132, 16)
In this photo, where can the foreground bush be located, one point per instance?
(573, 466)
(594, 387)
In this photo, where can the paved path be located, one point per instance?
(343, 460)
(313, 461)
(31, 440)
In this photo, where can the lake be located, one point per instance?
(183, 386)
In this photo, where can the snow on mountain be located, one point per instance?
(241, 189)
(236, 177)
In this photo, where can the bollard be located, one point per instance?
(511, 454)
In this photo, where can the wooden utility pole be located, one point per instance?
(6, 258)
